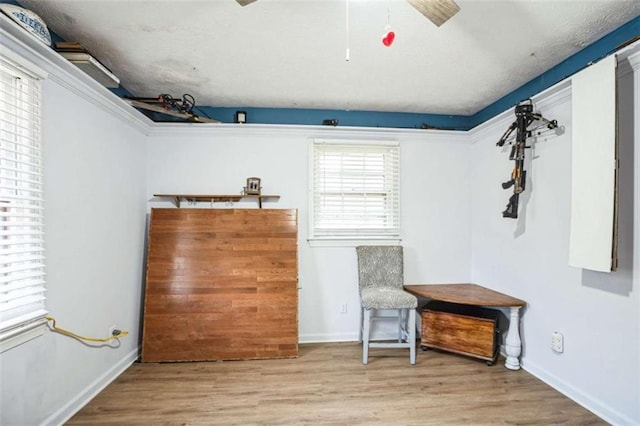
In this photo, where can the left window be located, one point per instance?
(22, 268)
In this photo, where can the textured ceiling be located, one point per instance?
(292, 53)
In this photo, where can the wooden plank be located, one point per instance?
(462, 334)
(468, 294)
(221, 284)
(157, 108)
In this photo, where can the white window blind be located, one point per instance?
(22, 284)
(355, 190)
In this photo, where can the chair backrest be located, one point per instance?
(380, 266)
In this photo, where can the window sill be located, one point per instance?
(352, 242)
(23, 334)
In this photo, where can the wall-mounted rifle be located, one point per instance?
(525, 117)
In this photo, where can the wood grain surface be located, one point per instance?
(221, 284)
(468, 294)
(459, 333)
(329, 385)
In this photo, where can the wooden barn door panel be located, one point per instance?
(221, 284)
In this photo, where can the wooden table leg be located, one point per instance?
(513, 342)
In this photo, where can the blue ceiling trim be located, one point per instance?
(592, 53)
(344, 118)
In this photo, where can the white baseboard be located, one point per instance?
(386, 328)
(88, 393)
(327, 338)
(343, 337)
(597, 407)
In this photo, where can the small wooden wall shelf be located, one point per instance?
(177, 198)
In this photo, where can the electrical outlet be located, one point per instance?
(557, 342)
(343, 308)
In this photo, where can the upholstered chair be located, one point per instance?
(381, 280)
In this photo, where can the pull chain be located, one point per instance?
(388, 15)
(347, 28)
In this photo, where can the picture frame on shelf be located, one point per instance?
(253, 186)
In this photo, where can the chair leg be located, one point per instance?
(412, 336)
(365, 335)
(400, 324)
(361, 325)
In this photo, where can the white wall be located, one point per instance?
(435, 203)
(598, 313)
(94, 181)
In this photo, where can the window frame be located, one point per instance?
(390, 235)
(28, 323)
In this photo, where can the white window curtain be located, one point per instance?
(22, 284)
(355, 190)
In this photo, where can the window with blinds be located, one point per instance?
(355, 190)
(22, 284)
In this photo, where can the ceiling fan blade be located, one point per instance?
(437, 11)
(245, 2)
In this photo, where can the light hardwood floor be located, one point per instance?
(329, 385)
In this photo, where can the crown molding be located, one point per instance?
(306, 132)
(634, 61)
(67, 75)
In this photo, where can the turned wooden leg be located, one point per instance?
(513, 342)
